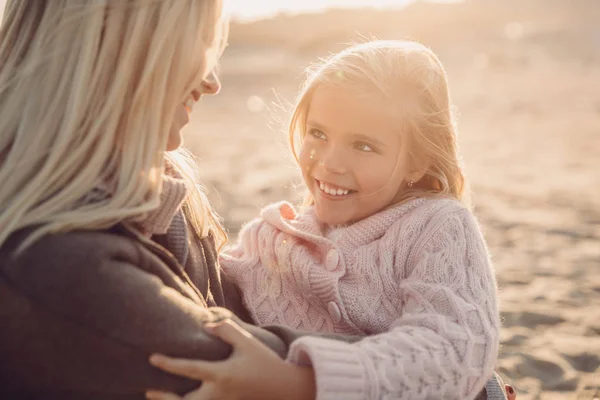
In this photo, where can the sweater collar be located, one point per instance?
(172, 196)
(156, 222)
(307, 226)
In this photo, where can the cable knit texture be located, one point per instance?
(417, 277)
(172, 196)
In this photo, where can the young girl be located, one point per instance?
(385, 246)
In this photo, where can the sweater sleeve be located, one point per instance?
(445, 343)
(254, 247)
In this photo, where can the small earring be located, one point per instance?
(411, 183)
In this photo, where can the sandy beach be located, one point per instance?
(525, 76)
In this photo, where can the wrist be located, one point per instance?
(304, 380)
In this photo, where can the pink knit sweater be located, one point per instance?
(417, 277)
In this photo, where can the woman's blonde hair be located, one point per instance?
(411, 79)
(88, 93)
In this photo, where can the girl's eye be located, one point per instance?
(317, 134)
(364, 147)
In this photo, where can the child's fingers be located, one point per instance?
(193, 369)
(156, 395)
(511, 393)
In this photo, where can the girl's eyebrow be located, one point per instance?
(316, 125)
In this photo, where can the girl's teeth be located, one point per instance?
(332, 191)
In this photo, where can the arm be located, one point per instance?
(256, 247)
(246, 252)
(239, 263)
(445, 343)
(289, 335)
(253, 372)
(82, 320)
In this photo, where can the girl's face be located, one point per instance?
(352, 158)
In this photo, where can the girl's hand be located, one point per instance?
(252, 372)
(510, 392)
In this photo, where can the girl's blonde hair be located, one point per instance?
(411, 79)
(88, 92)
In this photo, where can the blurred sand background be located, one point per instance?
(525, 75)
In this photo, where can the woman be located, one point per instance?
(96, 199)
(93, 95)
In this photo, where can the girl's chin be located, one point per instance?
(331, 217)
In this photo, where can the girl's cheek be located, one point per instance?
(307, 154)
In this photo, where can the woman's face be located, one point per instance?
(204, 82)
(209, 85)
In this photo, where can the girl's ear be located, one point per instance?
(418, 167)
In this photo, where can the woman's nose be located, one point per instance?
(211, 84)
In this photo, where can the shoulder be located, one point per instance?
(439, 213)
(102, 278)
(63, 260)
(434, 217)
(448, 224)
(81, 247)
(450, 247)
(436, 208)
(427, 214)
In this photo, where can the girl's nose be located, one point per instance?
(333, 161)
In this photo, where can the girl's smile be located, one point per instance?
(333, 191)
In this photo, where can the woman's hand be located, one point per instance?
(252, 372)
